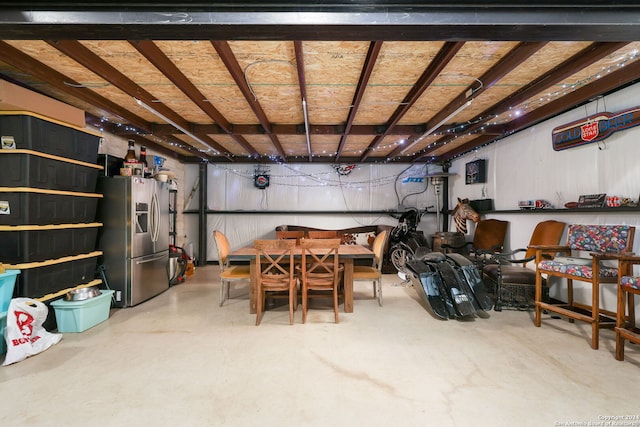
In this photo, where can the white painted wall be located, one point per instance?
(306, 187)
(524, 166)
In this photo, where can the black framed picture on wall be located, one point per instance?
(476, 172)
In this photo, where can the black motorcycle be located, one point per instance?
(406, 241)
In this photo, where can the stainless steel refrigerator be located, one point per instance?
(134, 238)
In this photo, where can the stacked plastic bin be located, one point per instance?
(48, 203)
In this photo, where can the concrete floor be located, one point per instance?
(181, 360)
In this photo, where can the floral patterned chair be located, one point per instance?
(601, 242)
(628, 286)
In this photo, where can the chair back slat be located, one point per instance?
(275, 261)
(378, 248)
(320, 265)
(224, 248)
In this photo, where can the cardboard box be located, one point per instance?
(13, 97)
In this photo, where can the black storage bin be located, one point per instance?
(481, 205)
(20, 169)
(41, 278)
(41, 207)
(23, 244)
(34, 133)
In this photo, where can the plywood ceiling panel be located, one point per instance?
(270, 71)
(242, 95)
(471, 62)
(332, 71)
(199, 61)
(397, 69)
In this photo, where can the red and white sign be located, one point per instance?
(589, 131)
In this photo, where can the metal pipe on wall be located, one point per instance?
(202, 215)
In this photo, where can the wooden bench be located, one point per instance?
(601, 242)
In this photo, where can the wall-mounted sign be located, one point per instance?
(593, 128)
(413, 179)
(344, 169)
(261, 181)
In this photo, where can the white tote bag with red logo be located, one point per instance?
(24, 334)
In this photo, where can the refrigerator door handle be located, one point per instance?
(155, 218)
(146, 260)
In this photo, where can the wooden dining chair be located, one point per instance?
(373, 273)
(228, 273)
(274, 261)
(322, 234)
(320, 270)
(296, 235)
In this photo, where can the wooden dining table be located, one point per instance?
(347, 256)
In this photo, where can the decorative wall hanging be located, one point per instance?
(344, 169)
(261, 181)
(261, 177)
(475, 172)
(593, 128)
(592, 200)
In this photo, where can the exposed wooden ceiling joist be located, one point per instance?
(91, 61)
(155, 56)
(583, 58)
(584, 94)
(323, 81)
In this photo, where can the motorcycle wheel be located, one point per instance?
(400, 254)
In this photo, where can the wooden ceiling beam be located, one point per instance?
(291, 129)
(37, 69)
(508, 63)
(580, 60)
(41, 71)
(79, 53)
(363, 81)
(230, 61)
(610, 82)
(152, 52)
(439, 62)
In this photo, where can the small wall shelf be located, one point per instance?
(269, 212)
(622, 209)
